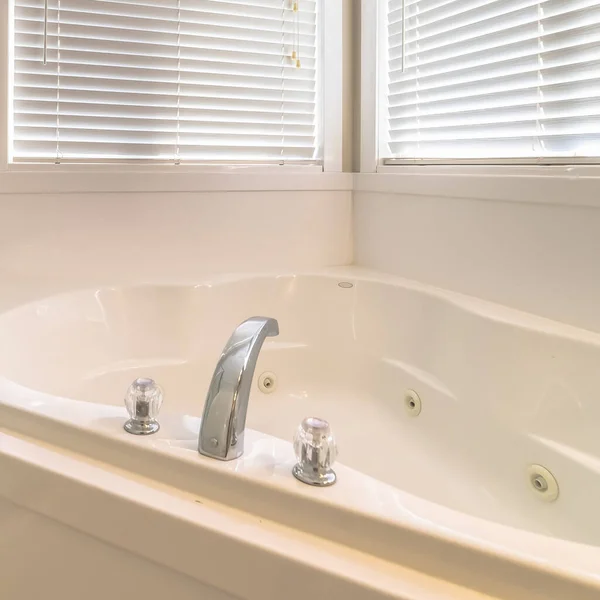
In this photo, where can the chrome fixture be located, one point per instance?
(224, 418)
(316, 451)
(143, 401)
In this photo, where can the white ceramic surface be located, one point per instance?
(526, 238)
(500, 389)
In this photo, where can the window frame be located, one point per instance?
(13, 175)
(372, 130)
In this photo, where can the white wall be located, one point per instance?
(106, 223)
(530, 242)
(109, 237)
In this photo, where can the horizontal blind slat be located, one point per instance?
(166, 80)
(492, 78)
(37, 106)
(106, 150)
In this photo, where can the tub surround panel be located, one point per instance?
(90, 238)
(493, 238)
(83, 567)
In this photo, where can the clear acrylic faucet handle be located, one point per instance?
(143, 401)
(316, 451)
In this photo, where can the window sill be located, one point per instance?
(77, 179)
(516, 170)
(558, 185)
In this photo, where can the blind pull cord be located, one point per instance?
(45, 50)
(403, 35)
(297, 32)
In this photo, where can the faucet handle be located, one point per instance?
(316, 451)
(143, 401)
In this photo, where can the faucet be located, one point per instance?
(224, 418)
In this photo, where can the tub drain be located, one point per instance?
(543, 483)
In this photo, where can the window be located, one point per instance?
(490, 79)
(166, 80)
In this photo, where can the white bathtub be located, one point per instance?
(445, 493)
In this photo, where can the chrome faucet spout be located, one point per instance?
(224, 419)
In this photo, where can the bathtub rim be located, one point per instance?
(551, 558)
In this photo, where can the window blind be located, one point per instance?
(484, 79)
(167, 80)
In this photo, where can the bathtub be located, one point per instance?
(444, 409)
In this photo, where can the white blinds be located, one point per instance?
(169, 80)
(492, 79)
